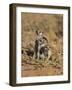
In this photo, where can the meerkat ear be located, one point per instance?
(37, 32)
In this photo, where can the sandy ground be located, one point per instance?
(44, 71)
